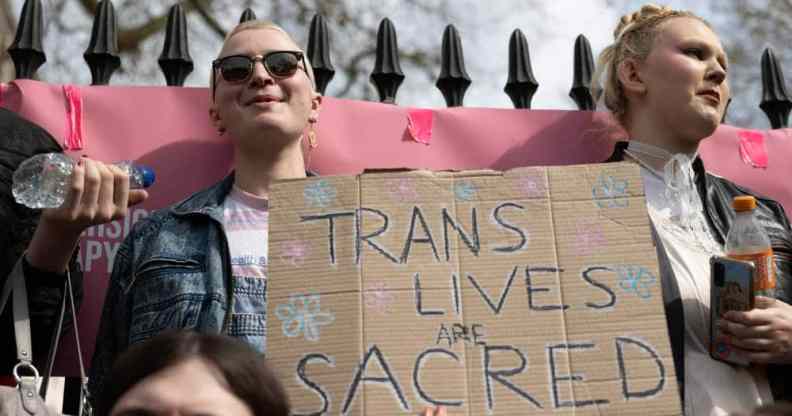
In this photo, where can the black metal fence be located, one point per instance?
(103, 59)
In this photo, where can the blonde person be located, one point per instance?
(665, 79)
(201, 264)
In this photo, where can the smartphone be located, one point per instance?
(731, 290)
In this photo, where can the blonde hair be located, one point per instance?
(633, 39)
(263, 24)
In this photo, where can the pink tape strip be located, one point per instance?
(419, 124)
(3, 89)
(74, 118)
(752, 148)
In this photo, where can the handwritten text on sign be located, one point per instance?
(525, 292)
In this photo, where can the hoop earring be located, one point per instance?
(312, 142)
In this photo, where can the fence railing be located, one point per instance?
(175, 62)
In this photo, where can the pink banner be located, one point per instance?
(169, 129)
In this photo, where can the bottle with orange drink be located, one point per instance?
(748, 241)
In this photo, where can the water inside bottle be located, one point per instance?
(42, 181)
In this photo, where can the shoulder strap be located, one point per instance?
(68, 296)
(54, 343)
(15, 284)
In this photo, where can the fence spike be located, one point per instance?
(248, 14)
(175, 60)
(387, 75)
(583, 72)
(453, 81)
(319, 53)
(521, 85)
(726, 110)
(102, 53)
(26, 50)
(775, 100)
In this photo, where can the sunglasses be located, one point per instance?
(239, 68)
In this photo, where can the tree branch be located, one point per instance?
(210, 21)
(352, 70)
(10, 22)
(89, 6)
(130, 39)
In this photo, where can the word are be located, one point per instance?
(473, 334)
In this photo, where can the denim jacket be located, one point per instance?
(173, 271)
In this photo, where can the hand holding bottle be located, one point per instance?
(96, 193)
(43, 180)
(763, 334)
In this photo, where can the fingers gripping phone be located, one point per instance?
(731, 289)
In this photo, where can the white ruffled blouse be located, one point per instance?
(675, 208)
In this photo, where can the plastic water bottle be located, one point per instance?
(747, 240)
(43, 180)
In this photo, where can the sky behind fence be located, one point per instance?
(550, 27)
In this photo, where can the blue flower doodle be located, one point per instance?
(319, 194)
(636, 279)
(608, 192)
(465, 191)
(303, 314)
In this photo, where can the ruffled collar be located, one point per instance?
(662, 162)
(676, 172)
(681, 207)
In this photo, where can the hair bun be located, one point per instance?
(647, 11)
(633, 38)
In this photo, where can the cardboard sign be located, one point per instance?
(532, 291)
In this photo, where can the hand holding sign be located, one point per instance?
(438, 411)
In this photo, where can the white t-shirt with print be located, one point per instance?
(246, 224)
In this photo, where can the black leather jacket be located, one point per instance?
(717, 194)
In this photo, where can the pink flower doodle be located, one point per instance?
(532, 185)
(378, 298)
(589, 236)
(402, 189)
(294, 252)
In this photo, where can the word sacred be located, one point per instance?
(490, 375)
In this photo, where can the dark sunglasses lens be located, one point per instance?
(235, 68)
(282, 64)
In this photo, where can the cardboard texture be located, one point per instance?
(531, 291)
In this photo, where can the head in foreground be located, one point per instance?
(192, 374)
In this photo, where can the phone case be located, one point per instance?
(731, 289)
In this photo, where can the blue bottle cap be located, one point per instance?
(148, 175)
